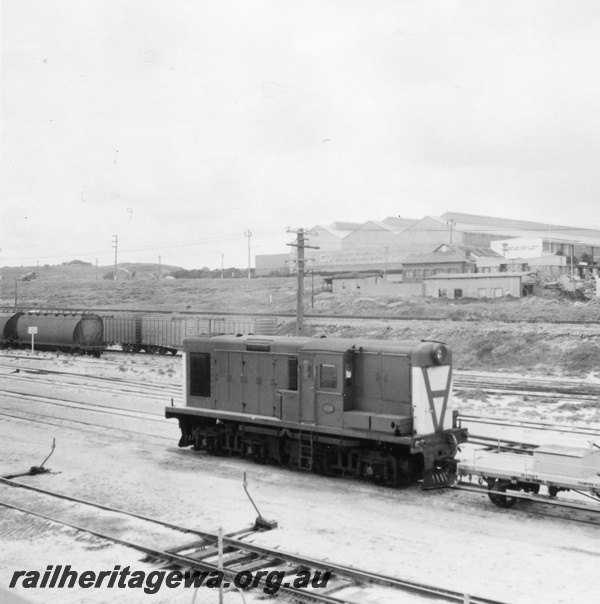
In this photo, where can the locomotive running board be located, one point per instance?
(438, 479)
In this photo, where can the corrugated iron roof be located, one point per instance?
(479, 275)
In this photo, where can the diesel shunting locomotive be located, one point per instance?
(365, 408)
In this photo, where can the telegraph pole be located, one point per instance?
(300, 246)
(451, 224)
(248, 234)
(159, 267)
(115, 245)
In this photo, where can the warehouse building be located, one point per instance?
(388, 244)
(478, 285)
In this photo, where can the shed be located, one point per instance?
(478, 285)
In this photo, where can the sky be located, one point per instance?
(183, 126)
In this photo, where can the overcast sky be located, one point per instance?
(179, 125)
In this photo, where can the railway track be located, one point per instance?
(52, 420)
(345, 585)
(539, 505)
(528, 386)
(86, 381)
(291, 315)
(120, 415)
(545, 426)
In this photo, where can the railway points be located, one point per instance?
(345, 585)
(546, 426)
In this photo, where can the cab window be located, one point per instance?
(328, 376)
(200, 374)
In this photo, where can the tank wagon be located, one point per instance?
(364, 408)
(69, 332)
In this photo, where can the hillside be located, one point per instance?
(476, 329)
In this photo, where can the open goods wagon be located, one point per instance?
(162, 335)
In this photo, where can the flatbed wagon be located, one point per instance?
(555, 467)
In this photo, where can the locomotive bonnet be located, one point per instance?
(359, 407)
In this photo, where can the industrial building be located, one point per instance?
(413, 250)
(478, 285)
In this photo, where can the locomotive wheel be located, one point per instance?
(502, 501)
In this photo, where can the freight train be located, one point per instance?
(161, 335)
(90, 333)
(69, 332)
(364, 408)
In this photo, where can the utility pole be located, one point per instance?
(16, 288)
(96, 269)
(159, 267)
(452, 224)
(386, 263)
(300, 246)
(248, 234)
(115, 245)
(222, 265)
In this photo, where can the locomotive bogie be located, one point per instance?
(363, 407)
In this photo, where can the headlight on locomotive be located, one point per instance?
(439, 353)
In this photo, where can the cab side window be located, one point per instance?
(200, 374)
(328, 376)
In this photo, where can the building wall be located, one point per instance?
(370, 235)
(360, 259)
(493, 286)
(523, 247)
(269, 263)
(324, 239)
(376, 286)
(428, 234)
(516, 265)
(519, 247)
(415, 273)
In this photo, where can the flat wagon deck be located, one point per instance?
(555, 467)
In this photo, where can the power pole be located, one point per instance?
(248, 234)
(452, 224)
(115, 245)
(159, 267)
(386, 263)
(300, 246)
(96, 269)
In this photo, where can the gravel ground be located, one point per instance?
(449, 539)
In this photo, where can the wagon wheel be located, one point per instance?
(162, 350)
(502, 501)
